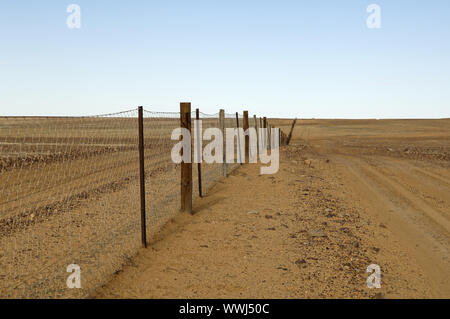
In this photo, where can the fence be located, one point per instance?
(70, 194)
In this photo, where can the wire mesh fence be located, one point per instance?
(210, 172)
(67, 185)
(70, 195)
(233, 121)
(163, 176)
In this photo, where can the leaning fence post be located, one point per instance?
(199, 153)
(142, 176)
(246, 136)
(290, 132)
(222, 127)
(186, 168)
(238, 139)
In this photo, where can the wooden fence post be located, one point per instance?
(265, 132)
(261, 133)
(142, 176)
(257, 136)
(186, 168)
(238, 139)
(246, 137)
(290, 133)
(279, 138)
(199, 153)
(222, 127)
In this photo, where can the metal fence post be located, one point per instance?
(269, 136)
(222, 127)
(238, 139)
(246, 137)
(199, 153)
(142, 176)
(257, 136)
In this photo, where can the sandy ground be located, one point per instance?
(348, 194)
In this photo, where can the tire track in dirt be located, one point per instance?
(424, 188)
(420, 226)
(442, 181)
(424, 212)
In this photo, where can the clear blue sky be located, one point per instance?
(277, 58)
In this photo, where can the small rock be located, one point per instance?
(253, 212)
(379, 295)
(316, 233)
(269, 216)
(329, 213)
(301, 263)
(308, 162)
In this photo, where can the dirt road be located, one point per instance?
(341, 201)
(410, 200)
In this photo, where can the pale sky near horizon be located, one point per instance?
(305, 59)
